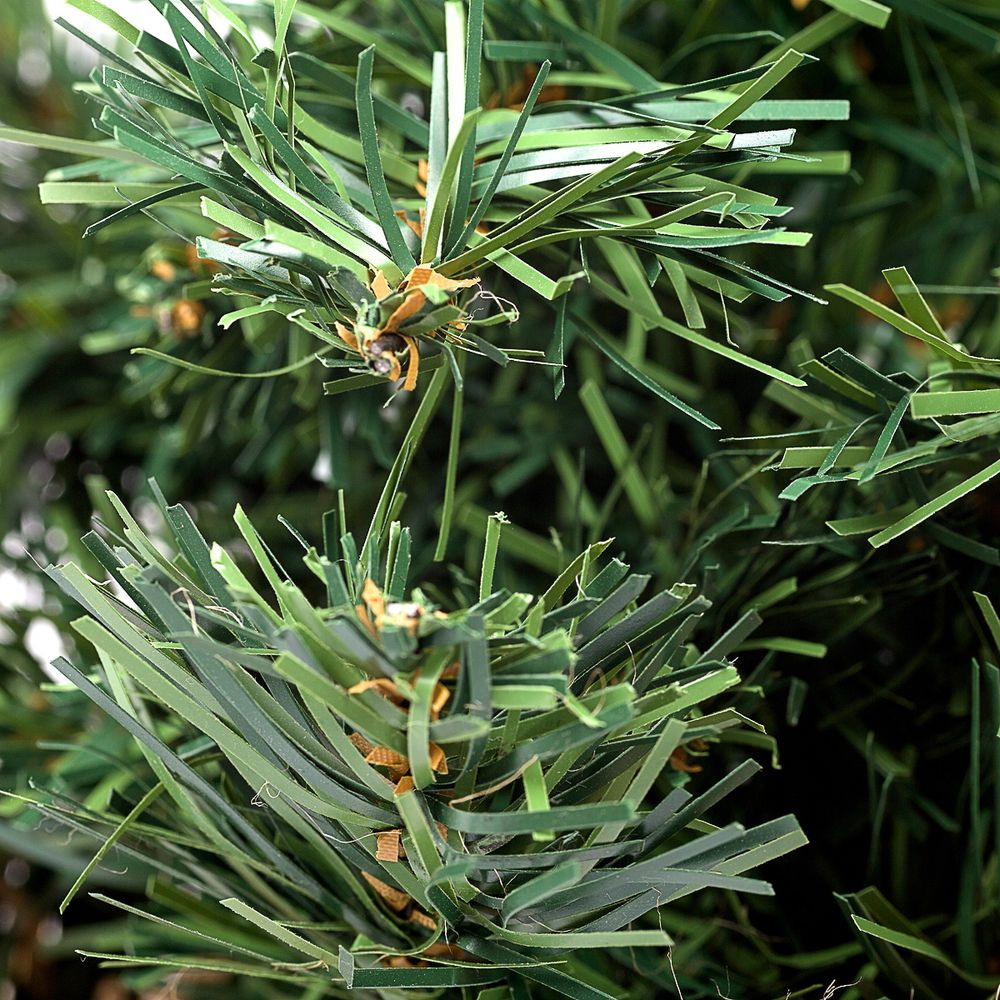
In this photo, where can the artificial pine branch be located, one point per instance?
(630, 191)
(438, 798)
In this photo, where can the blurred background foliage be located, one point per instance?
(874, 676)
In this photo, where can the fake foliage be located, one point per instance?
(379, 793)
(383, 235)
(894, 425)
(294, 773)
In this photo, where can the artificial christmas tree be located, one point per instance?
(560, 202)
